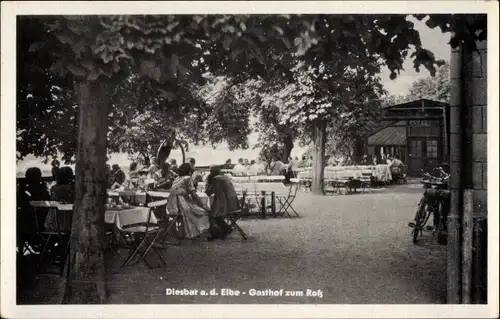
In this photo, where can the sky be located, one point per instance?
(432, 39)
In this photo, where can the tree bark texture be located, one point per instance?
(183, 151)
(467, 226)
(86, 280)
(317, 186)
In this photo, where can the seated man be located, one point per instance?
(228, 165)
(119, 177)
(225, 201)
(396, 166)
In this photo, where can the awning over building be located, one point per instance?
(392, 135)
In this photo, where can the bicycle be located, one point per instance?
(432, 202)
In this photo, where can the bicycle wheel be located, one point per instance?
(421, 218)
(418, 216)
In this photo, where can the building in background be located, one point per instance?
(416, 131)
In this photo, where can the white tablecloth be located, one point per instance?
(276, 178)
(383, 173)
(129, 216)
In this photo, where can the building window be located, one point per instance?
(432, 149)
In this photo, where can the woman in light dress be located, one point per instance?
(184, 200)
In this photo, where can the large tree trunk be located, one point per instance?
(86, 274)
(317, 186)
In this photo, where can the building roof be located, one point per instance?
(392, 135)
(417, 104)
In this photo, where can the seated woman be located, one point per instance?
(184, 201)
(63, 192)
(225, 201)
(31, 189)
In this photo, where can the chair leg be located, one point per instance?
(286, 205)
(134, 253)
(167, 232)
(233, 223)
(43, 252)
(150, 246)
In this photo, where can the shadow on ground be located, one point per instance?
(354, 249)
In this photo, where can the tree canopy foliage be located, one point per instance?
(435, 88)
(168, 54)
(94, 57)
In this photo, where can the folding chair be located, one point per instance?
(56, 233)
(170, 223)
(233, 216)
(252, 195)
(287, 201)
(142, 232)
(341, 182)
(329, 181)
(29, 219)
(366, 180)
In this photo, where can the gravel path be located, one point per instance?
(345, 249)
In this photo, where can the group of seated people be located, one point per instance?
(33, 188)
(276, 167)
(146, 177)
(197, 216)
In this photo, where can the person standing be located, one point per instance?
(55, 168)
(293, 167)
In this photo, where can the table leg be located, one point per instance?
(263, 204)
(273, 203)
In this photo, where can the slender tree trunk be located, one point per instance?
(182, 150)
(288, 143)
(317, 186)
(86, 280)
